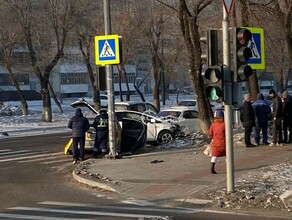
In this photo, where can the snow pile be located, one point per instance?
(9, 110)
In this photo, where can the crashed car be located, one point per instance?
(185, 117)
(130, 133)
(158, 131)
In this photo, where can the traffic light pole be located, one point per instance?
(227, 90)
(110, 85)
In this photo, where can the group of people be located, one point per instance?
(255, 114)
(80, 125)
(258, 114)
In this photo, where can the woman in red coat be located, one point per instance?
(217, 134)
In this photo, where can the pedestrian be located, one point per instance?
(262, 111)
(217, 134)
(277, 118)
(287, 117)
(101, 138)
(247, 117)
(79, 125)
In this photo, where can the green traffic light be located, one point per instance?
(214, 93)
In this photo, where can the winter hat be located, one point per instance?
(285, 94)
(219, 114)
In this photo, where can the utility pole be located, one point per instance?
(227, 90)
(110, 84)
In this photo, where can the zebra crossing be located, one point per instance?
(52, 210)
(29, 156)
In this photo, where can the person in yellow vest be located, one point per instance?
(101, 138)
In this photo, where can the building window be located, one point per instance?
(22, 79)
(74, 78)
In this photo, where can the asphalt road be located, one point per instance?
(36, 183)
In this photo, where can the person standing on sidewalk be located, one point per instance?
(217, 134)
(101, 138)
(277, 118)
(287, 117)
(247, 118)
(262, 111)
(79, 125)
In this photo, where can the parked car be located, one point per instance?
(185, 117)
(130, 132)
(193, 103)
(158, 130)
(139, 106)
(188, 102)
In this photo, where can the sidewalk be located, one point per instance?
(173, 175)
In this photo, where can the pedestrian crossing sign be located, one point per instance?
(257, 46)
(107, 49)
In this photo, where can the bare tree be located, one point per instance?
(190, 30)
(89, 24)
(45, 40)
(279, 14)
(8, 41)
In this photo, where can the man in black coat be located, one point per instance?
(247, 117)
(101, 138)
(262, 111)
(79, 125)
(287, 117)
(277, 118)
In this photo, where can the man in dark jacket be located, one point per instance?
(287, 117)
(79, 125)
(101, 138)
(247, 117)
(277, 118)
(262, 111)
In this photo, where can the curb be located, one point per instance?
(93, 183)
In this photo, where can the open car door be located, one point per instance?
(133, 135)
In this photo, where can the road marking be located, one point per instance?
(4, 150)
(24, 157)
(13, 152)
(142, 208)
(45, 156)
(34, 217)
(79, 212)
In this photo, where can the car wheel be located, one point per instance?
(164, 137)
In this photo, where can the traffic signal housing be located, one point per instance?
(214, 77)
(241, 53)
(210, 56)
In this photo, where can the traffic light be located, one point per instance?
(241, 53)
(214, 77)
(210, 56)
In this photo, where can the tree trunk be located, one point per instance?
(24, 106)
(55, 98)
(139, 93)
(47, 108)
(120, 86)
(190, 30)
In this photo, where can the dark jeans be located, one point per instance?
(100, 143)
(261, 126)
(287, 125)
(277, 131)
(78, 153)
(247, 133)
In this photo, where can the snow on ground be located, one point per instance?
(263, 192)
